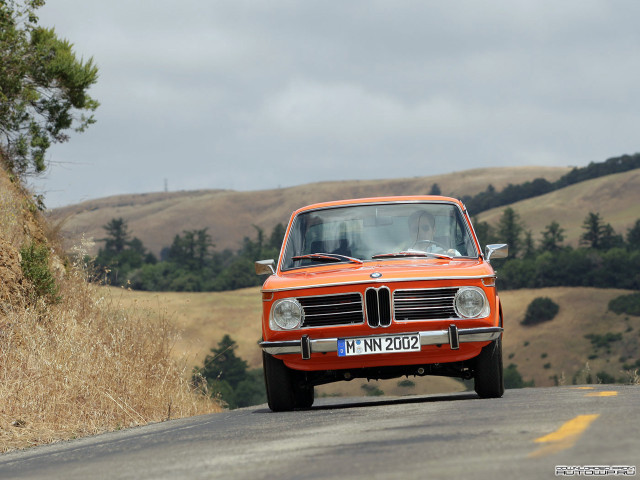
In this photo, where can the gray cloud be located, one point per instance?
(252, 95)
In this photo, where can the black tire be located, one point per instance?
(304, 396)
(285, 387)
(488, 379)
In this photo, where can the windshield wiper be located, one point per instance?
(327, 257)
(412, 253)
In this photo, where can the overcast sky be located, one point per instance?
(249, 95)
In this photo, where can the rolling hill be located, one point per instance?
(554, 352)
(616, 197)
(156, 218)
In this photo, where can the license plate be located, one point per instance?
(379, 344)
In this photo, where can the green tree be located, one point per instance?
(599, 235)
(277, 236)
(510, 229)
(633, 236)
(528, 246)
(552, 237)
(43, 88)
(191, 249)
(223, 364)
(117, 235)
(227, 376)
(435, 190)
(484, 231)
(610, 239)
(121, 254)
(593, 231)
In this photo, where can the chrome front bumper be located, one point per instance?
(453, 336)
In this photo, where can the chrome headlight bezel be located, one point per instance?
(286, 314)
(471, 302)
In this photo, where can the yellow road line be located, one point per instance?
(602, 394)
(565, 437)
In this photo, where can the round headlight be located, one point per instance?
(287, 314)
(471, 302)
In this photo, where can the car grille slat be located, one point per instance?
(328, 310)
(427, 304)
(373, 312)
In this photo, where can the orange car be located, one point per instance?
(379, 288)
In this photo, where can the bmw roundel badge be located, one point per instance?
(375, 275)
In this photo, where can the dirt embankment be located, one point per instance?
(71, 362)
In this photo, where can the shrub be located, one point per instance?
(35, 268)
(371, 390)
(541, 309)
(513, 379)
(629, 304)
(603, 341)
(406, 383)
(604, 377)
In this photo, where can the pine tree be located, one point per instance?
(552, 237)
(510, 230)
(633, 236)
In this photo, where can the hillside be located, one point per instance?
(156, 218)
(556, 348)
(71, 363)
(615, 197)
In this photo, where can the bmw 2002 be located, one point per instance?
(380, 288)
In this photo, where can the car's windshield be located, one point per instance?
(377, 232)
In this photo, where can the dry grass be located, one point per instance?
(615, 197)
(205, 317)
(156, 218)
(83, 365)
(561, 344)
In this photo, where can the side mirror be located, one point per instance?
(499, 250)
(266, 267)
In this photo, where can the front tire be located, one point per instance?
(285, 387)
(488, 377)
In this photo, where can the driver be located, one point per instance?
(421, 230)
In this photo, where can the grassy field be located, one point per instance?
(556, 348)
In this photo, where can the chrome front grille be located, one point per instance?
(328, 310)
(427, 304)
(348, 308)
(378, 302)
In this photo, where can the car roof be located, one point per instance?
(373, 200)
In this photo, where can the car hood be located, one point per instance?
(379, 272)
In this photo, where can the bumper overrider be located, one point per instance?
(453, 336)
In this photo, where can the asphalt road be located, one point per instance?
(524, 435)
